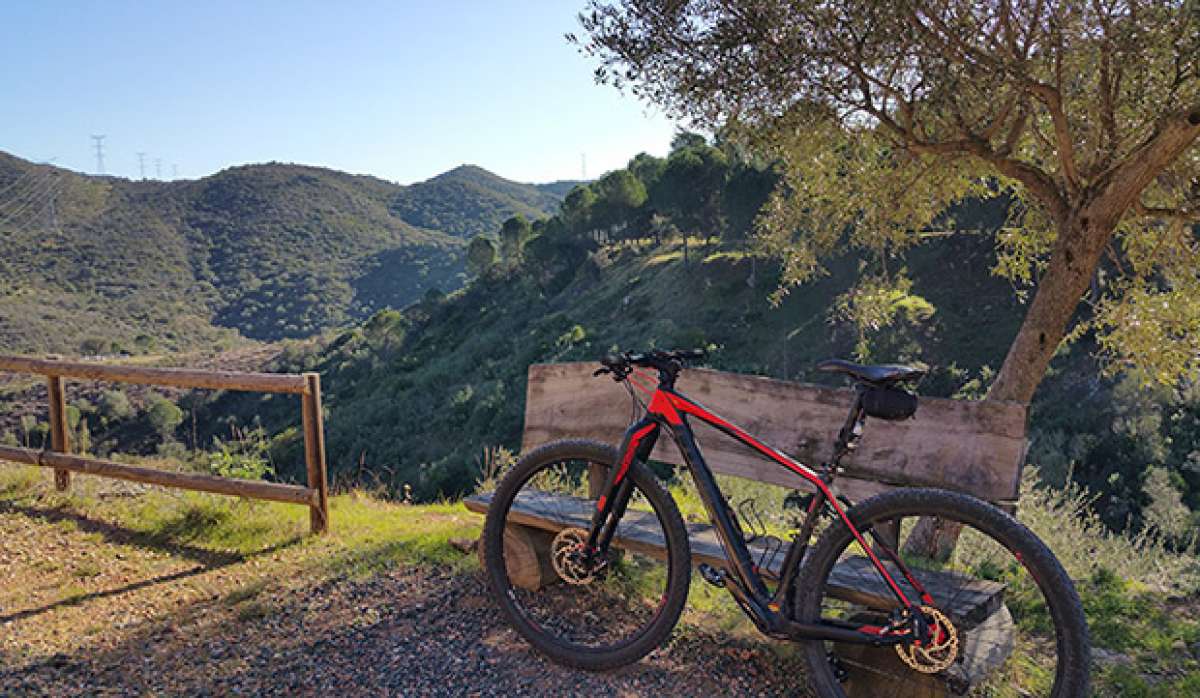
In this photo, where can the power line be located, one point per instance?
(99, 153)
(35, 203)
(35, 198)
(158, 168)
(142, 165)
(26, 192)
(22, 181)
(24, 175)
(36, 208)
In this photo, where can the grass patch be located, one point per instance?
(16, 480)
(245, 592)
(726, 255)
(376, 535)
(366, 534)
(1125, 682)
(86, 570)
(254, 611)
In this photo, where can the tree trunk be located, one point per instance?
(1081, 242)
(1068, 277)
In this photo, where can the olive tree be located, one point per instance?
(1085, 113)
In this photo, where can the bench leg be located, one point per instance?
(865, 683)
(933, 538)
(984, 648)
(527, 555)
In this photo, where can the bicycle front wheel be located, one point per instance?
(1005, 619)
(585, 610)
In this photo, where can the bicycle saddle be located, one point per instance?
(883, 373)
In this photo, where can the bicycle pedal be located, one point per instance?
(839, 669)
(713, 576)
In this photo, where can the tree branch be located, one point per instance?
(1051, 98)
(1121, 187)
(1183, 215)
(1040, 185)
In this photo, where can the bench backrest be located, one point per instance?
(974, 447)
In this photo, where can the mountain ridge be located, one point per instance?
(266, 251)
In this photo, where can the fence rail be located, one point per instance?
(58, 456)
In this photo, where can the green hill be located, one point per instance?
(469, 201)
(102, 264)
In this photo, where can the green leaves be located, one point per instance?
(877, 303)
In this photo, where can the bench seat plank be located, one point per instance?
(853, 579)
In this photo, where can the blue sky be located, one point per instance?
(400, 90)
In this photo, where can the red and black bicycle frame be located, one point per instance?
(770, 611)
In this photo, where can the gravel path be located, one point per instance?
(409, 632)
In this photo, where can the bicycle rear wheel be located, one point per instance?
(579, 609)
(1006, 620)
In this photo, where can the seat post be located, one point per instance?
(852, 430)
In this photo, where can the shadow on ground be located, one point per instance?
(409, 631)
(167, 542)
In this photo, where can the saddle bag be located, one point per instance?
(889, 403)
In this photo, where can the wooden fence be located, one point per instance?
(58, 455)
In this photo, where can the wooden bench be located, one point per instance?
(973, 447)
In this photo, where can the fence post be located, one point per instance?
(314, 452)
(59, 440)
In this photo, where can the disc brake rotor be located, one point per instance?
(942, 649)
(567, 554)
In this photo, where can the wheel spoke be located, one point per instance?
(585, 606)
(980, 647)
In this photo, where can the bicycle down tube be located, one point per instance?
(669, 409)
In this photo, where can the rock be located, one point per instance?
(466, 545)
(1104, 656)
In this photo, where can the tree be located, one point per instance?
(114, 405)
(646, 168)
(682, 140)
(619, 195)
(577, 209)
(513, 235)
(164, 416)
(690, 189)
(481, 255)
(882, 115)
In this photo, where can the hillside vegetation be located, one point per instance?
(98, 265)
(469, 200)
(416, 396)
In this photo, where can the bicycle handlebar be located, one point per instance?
(620, 364)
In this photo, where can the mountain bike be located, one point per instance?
(996, 615)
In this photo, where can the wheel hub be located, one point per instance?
(568, 554)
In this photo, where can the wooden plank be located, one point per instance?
(253, 489)
(59, 440)
(177, 377)
(853, 579)
(314, 452)
(975, 447)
